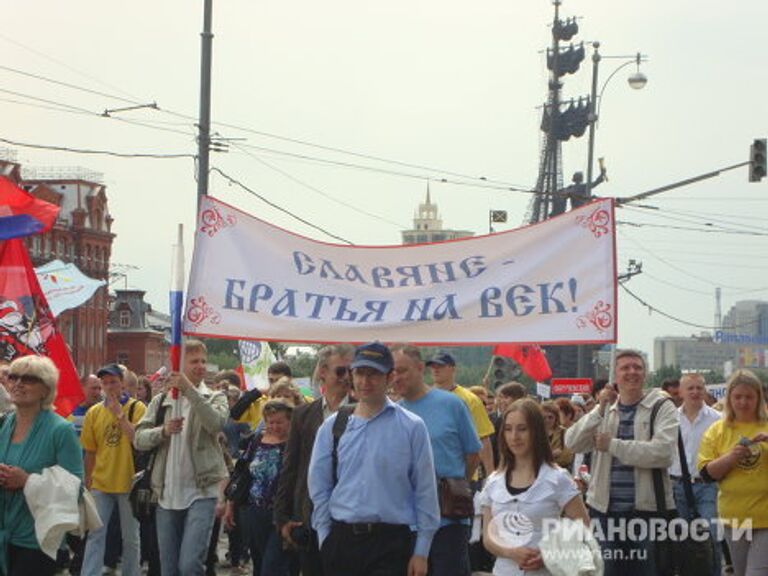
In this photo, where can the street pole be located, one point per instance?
(204, 119)
(592, 117)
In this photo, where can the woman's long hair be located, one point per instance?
(534, 419)
(745, 378)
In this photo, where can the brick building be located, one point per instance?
(138, 336)
(81, 235)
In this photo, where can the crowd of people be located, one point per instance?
(384, 473)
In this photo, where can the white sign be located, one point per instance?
(549, 283)
(255, 358)
(65, 286)
(717, 390)
(542, 390)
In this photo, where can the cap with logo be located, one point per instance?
(441, 359)
(373, 355)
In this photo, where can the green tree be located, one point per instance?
(663, 373)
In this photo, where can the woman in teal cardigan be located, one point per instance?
(32, 438)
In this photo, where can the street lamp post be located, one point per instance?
(638, 80)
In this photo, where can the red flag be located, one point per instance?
(21, 214)
(27, 325)
(530, 357)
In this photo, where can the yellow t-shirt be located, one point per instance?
(743, 491)
(113, 469)
(482, 422)
(252, 416)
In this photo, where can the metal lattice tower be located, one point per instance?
(557, 125)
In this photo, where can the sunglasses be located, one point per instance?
(341, 371)
(25, 379)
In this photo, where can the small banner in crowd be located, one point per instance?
(549, 283)
(255, 358)
(64, 286)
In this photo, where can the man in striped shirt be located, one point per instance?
(621, 493)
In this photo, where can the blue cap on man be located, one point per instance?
(441, 359)
(373, 355)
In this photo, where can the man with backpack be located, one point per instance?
(107, 436)
(372, 479)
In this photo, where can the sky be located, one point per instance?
(412, 93)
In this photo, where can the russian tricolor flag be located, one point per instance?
(177, 300)
(21, 214)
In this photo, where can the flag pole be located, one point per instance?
(176, 296)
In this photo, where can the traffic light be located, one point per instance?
(757, 160)
(503, 370)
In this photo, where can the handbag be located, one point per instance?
(694, 554)
(239, 485)
(143, 500)
(456, 501)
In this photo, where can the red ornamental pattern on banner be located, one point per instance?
(199, 311)
(600, 317)
(598, 222)
(212, 221)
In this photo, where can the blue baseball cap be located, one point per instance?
(441, 359)
(111, 370)
(373, 355)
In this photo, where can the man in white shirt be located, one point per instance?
(695, 418)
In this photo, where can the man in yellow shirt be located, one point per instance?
(107, 436)
(443, 368)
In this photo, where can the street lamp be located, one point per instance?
(638, 80)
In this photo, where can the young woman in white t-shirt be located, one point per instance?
(527, 489)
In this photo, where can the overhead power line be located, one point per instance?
(95, 152)
(499, 184)
(652, 308)
(236, 182)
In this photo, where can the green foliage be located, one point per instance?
(663, 373)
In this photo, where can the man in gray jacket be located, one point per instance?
(189, 464)
(621, 492)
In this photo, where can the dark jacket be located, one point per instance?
(292, 498)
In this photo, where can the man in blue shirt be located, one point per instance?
(455, 445)
(386, 481)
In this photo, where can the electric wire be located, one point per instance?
(500, 183)
(95, 152)
(239, 184)
(687, 273)
(652, 308)
(319, 191)
(690, 219)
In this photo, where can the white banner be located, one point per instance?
(543, 390)
(255, 358)
(65, 286)
(549, 283)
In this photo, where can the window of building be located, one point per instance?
(125, 318)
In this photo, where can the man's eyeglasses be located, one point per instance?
(25, 379)
(341, 371)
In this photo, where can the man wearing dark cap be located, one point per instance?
(443, 368)
(382, 484)
(108, 431)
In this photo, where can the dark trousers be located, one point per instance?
(622, 555)
(149, 550)
(449, 554)
(310, 560)
(264, 542)
(26, 561)
(384, 551)
(212, 558)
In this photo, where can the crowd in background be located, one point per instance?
(325, 493)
